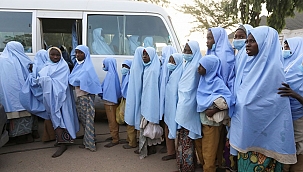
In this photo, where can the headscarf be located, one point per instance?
(171, 96)
(211, 85)
(125, 79)
(187, 115)
(150, 106)
(84, 75)
(99, 46)
(262, 119)
(58, 98)
(40, 59)
(167, 51)
(133, 43)
(239, 64)
(31, 95)
(111, 89)
(225, 53)
(14, 65)
(132, 112)
(296, 47)
(294, 74)
(148, 42)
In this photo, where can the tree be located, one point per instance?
(278, 10)
(163, 3)
(209, 14)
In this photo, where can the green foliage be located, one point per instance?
(278, 10)
(209, 14)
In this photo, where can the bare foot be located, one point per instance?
(62, 148)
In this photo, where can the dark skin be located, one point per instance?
(171, 60)
(124, 65)
(210, 40)
(54, 55)
(201, 70)
(240, 34)
(286, 46)
(187, 49)
(251, 46)
(286, 91)
(80, 55)
(145, 57)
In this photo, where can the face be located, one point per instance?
(145, 57)
(124, 65)
(251, 46)
(80, 55)
(201, 70)
(54, 55)
(171, 60)
(187, 49)
(240, 34)
(210, 39)
(286, 46)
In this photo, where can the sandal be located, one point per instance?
(128, 147)
(169, 157)
(137, 151)
(123, 141)
(111, 144)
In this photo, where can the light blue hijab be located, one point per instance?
(125, 79)
(40, 59)
(58, 98)
(294, 74)
(211, 85)
(31, 95)
(14, 66)
(167, 51)
(295, 44)
(171, 96)
(262, 120)
(148, 42)
(111, 89)
(150, 106)
(99, 46)
(84, 75)
(132, 112)
(187, 115)
(225, 53)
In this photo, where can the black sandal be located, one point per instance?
(111, 144)
(169, 157)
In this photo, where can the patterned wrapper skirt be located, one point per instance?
(186, 155)
(257, 162)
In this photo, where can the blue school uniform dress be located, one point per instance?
(164, 74)
(262, 119)
(58, 97)
(171, 95)
(125, 78)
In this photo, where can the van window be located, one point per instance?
(122, 34)
(16, 26)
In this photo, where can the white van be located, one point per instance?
(109, 28)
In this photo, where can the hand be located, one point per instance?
(210, 112)
(287, 91)
(30, 68)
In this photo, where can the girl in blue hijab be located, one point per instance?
(294, 75)
(175, 69)
(187, 117)
(85, 80)
(213, 99)
(131, 131)
(218, 45)
(110, 93)
(261, 126)
(14, 69)
(58, 99)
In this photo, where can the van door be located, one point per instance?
(59, 28)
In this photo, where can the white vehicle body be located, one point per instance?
(38, 24)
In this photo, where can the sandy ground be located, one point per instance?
(36, 156)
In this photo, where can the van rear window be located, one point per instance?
(122, 34)
(16, 26)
